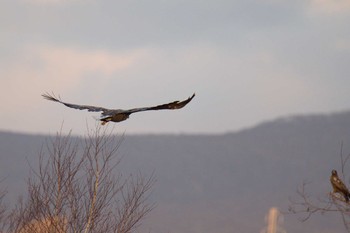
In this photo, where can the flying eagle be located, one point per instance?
(339, 186)
(118, 115)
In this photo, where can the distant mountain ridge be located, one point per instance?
(219, 183)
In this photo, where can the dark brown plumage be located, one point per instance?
(339, 186)
(118, 115)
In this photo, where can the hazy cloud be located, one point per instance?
(343, 45)
(330, 7)
(250, 59)
(49, 68)
(51, 2)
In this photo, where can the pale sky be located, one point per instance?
(247, 61)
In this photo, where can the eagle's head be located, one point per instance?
(334, 173)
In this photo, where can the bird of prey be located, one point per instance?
(118, 115)
(339, 186)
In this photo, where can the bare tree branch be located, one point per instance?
(78, 188)
(307, 205)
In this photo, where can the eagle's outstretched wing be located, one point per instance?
(117, 115)
(172, 105)
(339, 186)
(76, 106)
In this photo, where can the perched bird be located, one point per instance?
(339, 186)
(118, 115)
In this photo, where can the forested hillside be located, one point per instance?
(217, 183)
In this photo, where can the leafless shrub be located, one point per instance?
(77, 188)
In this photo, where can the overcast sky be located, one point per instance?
(246, 60)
